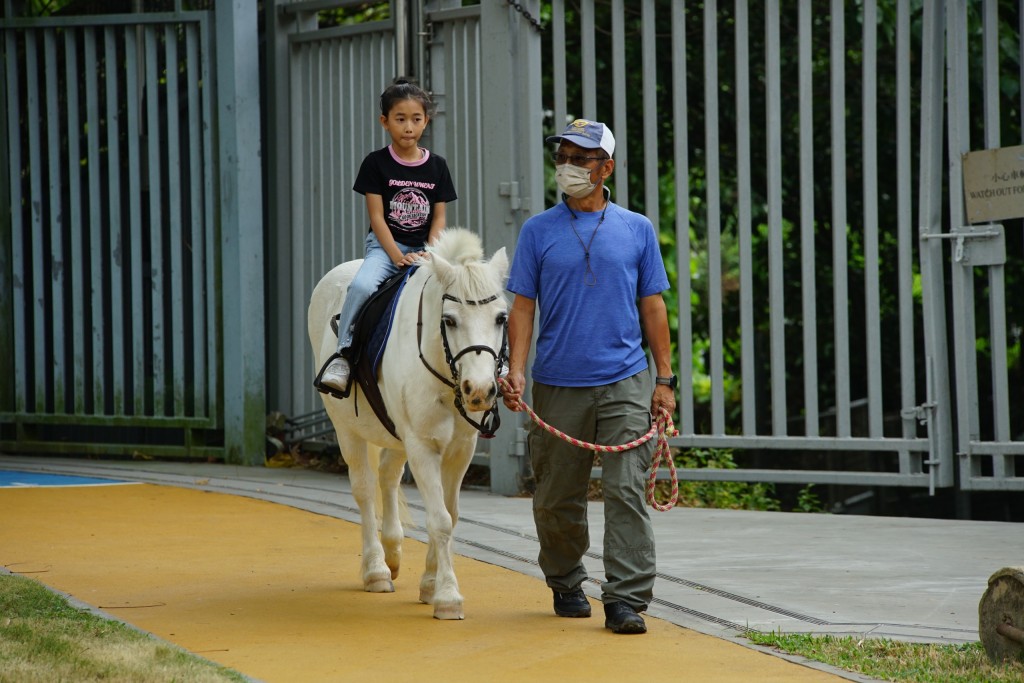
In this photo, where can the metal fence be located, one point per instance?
(112, 248)
(749, 158)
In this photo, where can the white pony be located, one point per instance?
(438, 380)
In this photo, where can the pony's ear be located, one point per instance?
(442, 269)
(500, 263)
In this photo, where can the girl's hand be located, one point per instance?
(409, 259)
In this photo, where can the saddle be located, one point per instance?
(372, 328)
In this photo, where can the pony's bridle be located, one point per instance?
(490, 422)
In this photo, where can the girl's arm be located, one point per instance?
(437, 225)
(375, 207)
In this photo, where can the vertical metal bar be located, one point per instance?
(21, 361)
(137, 371)
(588, 61)
(195, 203)
(74, 216)
(745, 219)
(297, 164)
(904, 213)
(990, 72)
(714, 218)
(94, 163)
(681, 155)
(558, 65)
(872, 305)
(116, 245)
(620, 120)
(7, 332)
(837, 69)
(931, 251)
(996, 273)
(317, 158)
(963, 278)
(158, 326)
(211, 252)
(37, 291)
(54, 171)
(651, 133)
(175, 283)
(776, 237)
(808, 268)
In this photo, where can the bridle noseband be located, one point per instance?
(490, 422)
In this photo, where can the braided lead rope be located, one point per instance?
(663, 426)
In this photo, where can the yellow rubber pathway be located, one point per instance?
(274, 592)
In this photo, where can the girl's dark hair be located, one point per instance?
(404, 89)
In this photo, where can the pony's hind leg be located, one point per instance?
(363, 476)
(392, 466)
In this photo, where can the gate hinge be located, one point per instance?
(511, 190)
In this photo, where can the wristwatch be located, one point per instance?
(670, 382)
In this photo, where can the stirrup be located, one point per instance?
(331, 391)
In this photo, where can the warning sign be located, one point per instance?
(994, 184)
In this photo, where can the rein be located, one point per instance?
(489, 423)
(663, 427)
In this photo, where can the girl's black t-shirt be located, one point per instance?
(409, 191)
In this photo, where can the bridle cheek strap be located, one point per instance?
(489, 423)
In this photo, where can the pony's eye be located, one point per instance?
(449, 321)
(501, 319)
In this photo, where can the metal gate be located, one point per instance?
(111, 252)
(866, 398)
(331, 77)
(131, 244)
(991, 451)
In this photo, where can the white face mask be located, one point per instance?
(574, 180)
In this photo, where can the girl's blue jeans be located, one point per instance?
(376, 268)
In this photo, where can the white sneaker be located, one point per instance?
(336, 374)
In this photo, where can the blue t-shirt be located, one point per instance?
(589, 333)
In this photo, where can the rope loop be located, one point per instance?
(663, 427)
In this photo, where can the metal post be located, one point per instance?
(241, 229)
(510, 56)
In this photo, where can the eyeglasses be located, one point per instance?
(574, 159)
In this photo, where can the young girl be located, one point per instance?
(406, 188)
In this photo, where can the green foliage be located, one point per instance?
(725, 495)
(897, 661)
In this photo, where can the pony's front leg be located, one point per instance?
(363, 476)
(392, 466)
(439, 587)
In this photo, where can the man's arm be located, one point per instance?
(520, 336)
(654, 319)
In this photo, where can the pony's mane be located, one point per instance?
(464, 250)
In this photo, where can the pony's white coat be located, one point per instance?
(435, 438)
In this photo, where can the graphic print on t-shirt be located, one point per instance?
(410, 209)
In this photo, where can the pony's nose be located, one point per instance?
(479, 397)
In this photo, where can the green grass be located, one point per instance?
(44, 638)
(891, 660)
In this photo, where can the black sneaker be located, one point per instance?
(621, 618)
(571, 604)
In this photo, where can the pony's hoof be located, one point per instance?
(380, 586)
(448, 612)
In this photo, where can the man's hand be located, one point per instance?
(664, 397)
(513, 393)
